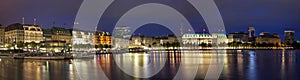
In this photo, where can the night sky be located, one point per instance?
(265, 15)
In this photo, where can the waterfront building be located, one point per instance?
(56, 40)
(55, 46)
(142, 41)
(58, 34)
(102, 38)
(2, 36)
(219, 40)
(165, 39)
(266, 37)
(121, 37)
(197, 39)
(83, 37)
(23, 33)
(289, 37)
(251, 34)
(238, 37)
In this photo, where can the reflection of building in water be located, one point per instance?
(121, 37)
(23, 33)
(238, 37)
(266, 37)
(197, 39)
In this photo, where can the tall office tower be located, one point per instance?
(251, 34)
(289, 36)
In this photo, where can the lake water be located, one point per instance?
(233, 64)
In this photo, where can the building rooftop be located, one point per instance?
(18, 26)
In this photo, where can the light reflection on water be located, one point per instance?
(246, 64)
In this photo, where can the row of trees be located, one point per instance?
(254, 44)
(177, 44)
(174, 44)
(236, 44)
(296, 45)
(101, 46)
(22, 45)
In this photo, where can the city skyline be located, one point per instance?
(237, 17)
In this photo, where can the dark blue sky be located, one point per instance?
(265, 15)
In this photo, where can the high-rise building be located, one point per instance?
(289, 36)
(121, 37)
(251, 34)
(23, 33)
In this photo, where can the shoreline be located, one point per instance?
(16, 55)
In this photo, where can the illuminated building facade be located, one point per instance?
(58, 34)
(57, 39)
(238, 37)
(266, 37)
(23, 33)
(83, 37)
(121, 37)
(2, 36)
(142, 40)
(102, 38)
(197, 39)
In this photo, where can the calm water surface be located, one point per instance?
(247, 64)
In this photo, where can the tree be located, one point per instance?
(270, 45)
(26, 45)
(106, 46)
(264, 44)
(20, 45)
(33, 45)
(254, 44)
(167, 44)
(203, 44)
(209, 45)
(176, 44)
(277, 45)
(296, 45)
(9, 46)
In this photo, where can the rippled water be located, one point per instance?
(246, 64)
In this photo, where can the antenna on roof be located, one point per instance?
(34, 21)
(181, 28)
(23, 20)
